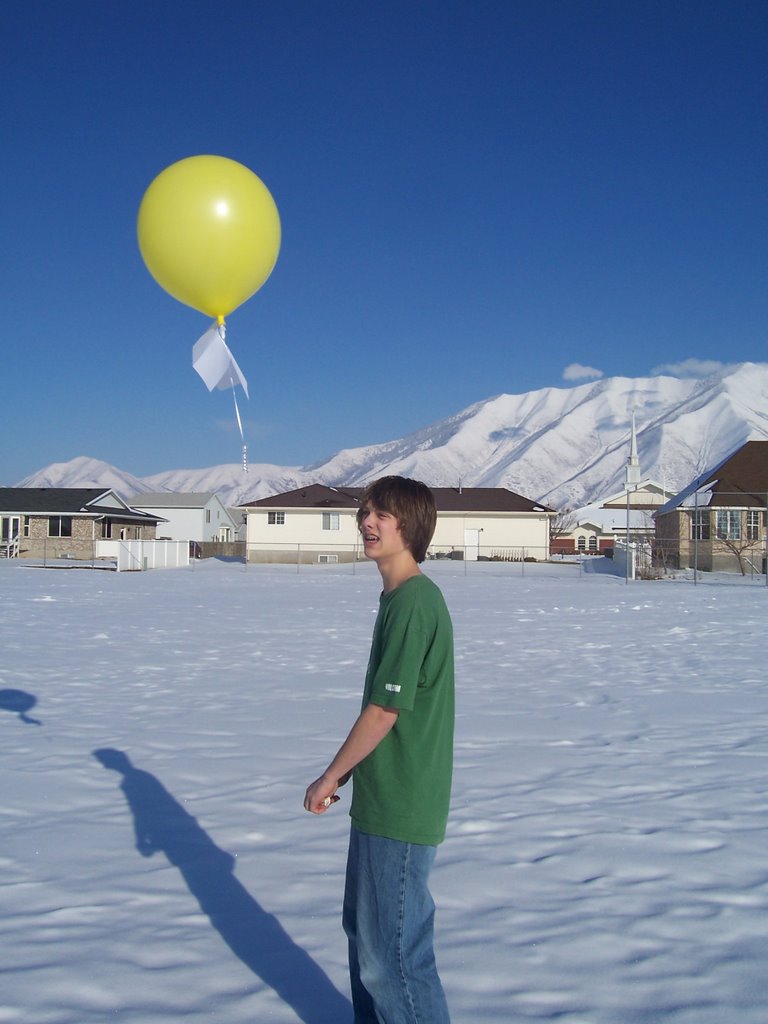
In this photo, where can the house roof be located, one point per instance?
(312, 496)
(584, 524)
(84, 501)
(484, 499)
(740, 481)
(447, 499)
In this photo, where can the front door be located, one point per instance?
(471, 545)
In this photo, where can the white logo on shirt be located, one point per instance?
(394, 687)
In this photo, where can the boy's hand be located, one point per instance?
(372, 725)
(320, 795)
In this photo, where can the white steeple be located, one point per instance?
(633, 463)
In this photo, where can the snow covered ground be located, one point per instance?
(607, 855)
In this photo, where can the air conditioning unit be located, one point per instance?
(327, 559)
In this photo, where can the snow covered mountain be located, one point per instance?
(562, 446)
(86, 472)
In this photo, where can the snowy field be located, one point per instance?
(607, 854)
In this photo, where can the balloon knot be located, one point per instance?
(220, 320)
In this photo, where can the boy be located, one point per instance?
(400, 753)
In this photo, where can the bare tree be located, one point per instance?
(741, 546)
(561, 524)
(741, 550)
(700, 454)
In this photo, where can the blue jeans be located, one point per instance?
(388, 919)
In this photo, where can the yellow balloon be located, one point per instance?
(209, 233)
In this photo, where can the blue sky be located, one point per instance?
(476, 198)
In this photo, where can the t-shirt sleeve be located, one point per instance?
(404, 646)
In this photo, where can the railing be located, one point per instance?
(10, 548)
(119, 555)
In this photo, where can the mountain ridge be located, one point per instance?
(566, 447)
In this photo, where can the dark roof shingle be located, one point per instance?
(67, 501)
(447, 499)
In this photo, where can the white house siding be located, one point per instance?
(500, 533)
(183, 524)
(220, 518)
(302, 530)
(189, 523)
(646, 493)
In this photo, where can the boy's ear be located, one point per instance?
(408, 543)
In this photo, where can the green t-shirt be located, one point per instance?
(402, 788)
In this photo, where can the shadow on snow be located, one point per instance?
(19, 702)
(255, 936)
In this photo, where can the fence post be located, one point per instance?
(695, 532)
(626, 566)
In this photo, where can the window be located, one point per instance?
(700, 524)
(753, 524)
(728, 524)
(276, 518)
(59, 526)
(582, 543)
(106, 529)
(207, 515)
(327, 559)
(330, 520)
(592, 544)
(27, 521)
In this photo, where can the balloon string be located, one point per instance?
(222, 329)
(237, 411)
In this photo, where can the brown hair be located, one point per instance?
(410, 502)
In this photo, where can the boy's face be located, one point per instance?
(381, 534)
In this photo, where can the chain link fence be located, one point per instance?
(448, 560)
(728, 537)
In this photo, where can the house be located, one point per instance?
(318, 523)
(580, 536)
(65, 522)
(197, 516)
(718, 522)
